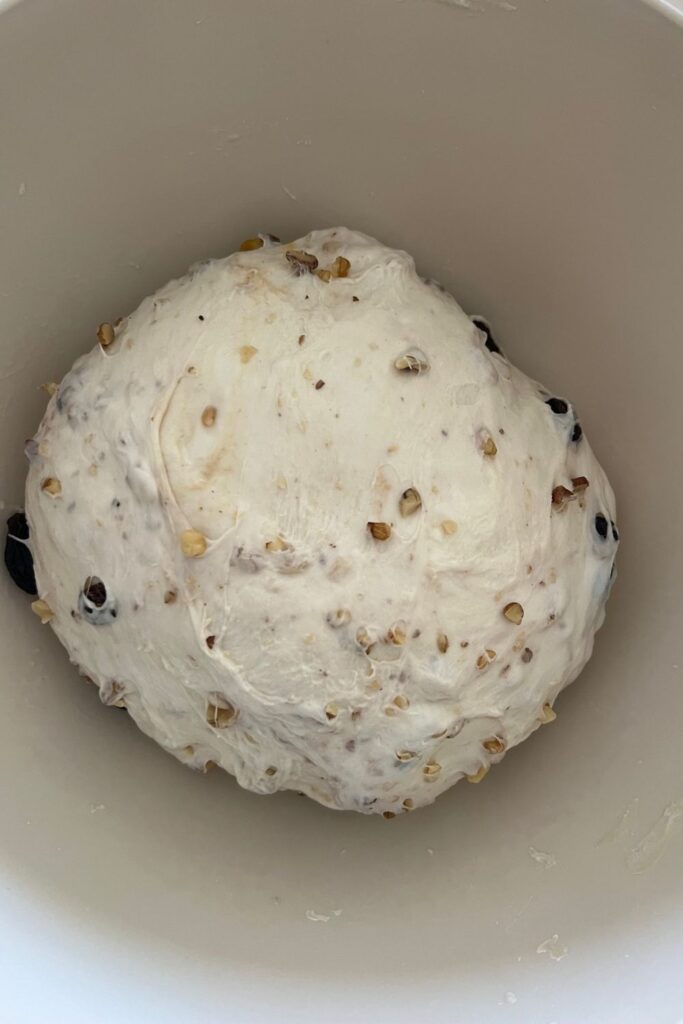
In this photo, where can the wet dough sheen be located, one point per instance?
(287, 555)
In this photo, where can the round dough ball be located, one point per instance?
(301, 517)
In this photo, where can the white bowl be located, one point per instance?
(529, 155)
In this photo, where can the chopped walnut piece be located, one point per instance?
(42, 610)
(449, 527)
(51, 486)
(478, 775)
(209, 415)
(413, 361)
(250, 244)
(494, 745)
(514, 612)
(221, 716)
(410, 502)
(247, 353)
(380, 531)
(338, 618)
(548, 715)
(341, 267)
(193, 543)
(301, 262)
(112, 694)
(489, 447)
(105, 334)
(363, 639)
(397, 634)
(442, 642)
(486, 658)
(405, 755)
(560, 496)
(279, 544)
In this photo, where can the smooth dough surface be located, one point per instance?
(284, 638)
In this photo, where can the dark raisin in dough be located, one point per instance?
(558, 405)
(601, 526)
(95, 591)
(577, 432)
(615, 532)
(95, 605)
(17, 526)
(490, 342)
(18, 557)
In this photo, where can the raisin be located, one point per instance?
(601, 526)
(490, 341)
(95, 605)
(18, 557)
(95, 591)
(615, 532)
(577, 432)
(17, 526)
(557, 405)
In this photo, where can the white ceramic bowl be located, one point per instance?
(530, 156)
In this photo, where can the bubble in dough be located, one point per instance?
(301, 517)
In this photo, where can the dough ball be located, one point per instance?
(303, 519)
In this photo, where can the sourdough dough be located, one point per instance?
(303, 519)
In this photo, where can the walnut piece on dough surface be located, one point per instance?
(302, 518)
